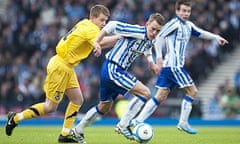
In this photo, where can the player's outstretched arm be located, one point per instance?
(109, 41)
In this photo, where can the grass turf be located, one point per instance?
(106, 135)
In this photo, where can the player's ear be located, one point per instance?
(93, 17)
(177, 11)
(147, 23)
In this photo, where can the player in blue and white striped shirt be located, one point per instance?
(176, 34)
(136, 40)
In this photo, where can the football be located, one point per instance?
(143, 132)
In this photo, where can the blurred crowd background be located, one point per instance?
(30, 30)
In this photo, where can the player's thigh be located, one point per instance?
(56, 80)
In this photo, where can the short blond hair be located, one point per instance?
(98, 9)
(157, 17)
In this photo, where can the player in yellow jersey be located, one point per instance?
(61, 78)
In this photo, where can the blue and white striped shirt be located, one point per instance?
(127, 49)
(177, 34)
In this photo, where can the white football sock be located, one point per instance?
(134, 107)
(186, 109)
(88, 119)
(148, 109)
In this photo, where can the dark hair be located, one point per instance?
(96, 10)
(157, 17)
(182, 2)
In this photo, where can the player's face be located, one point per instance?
(153, 29)
(184, 12)
(100, 21)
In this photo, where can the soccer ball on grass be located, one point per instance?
(143, 132)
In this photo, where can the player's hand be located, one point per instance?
(97, 49)
(159, 62)
(221, 40)
(154, 68)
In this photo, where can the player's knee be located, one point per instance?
(48, 108)
(77, 100)
(147, 93)
(161, 98)
(104, 108)
(195, 92)
(192, 93)
(162, 94)
(81, 100)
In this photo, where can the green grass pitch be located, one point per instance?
(106, 135)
